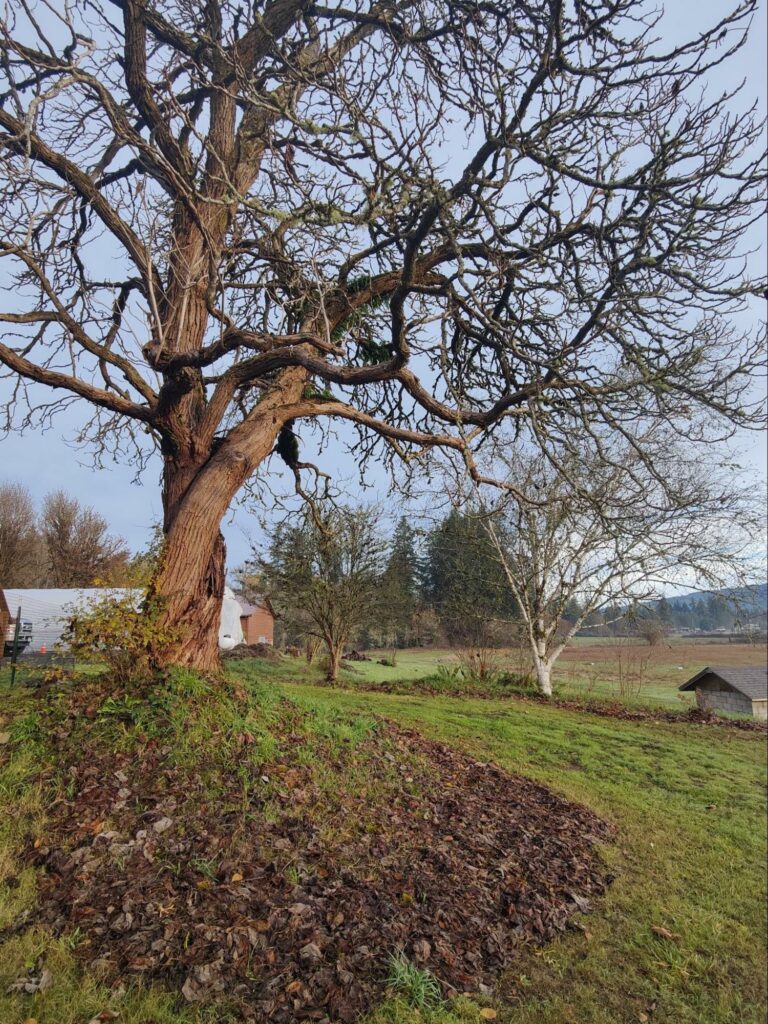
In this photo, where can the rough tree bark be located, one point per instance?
(189, 584)
(335, 653)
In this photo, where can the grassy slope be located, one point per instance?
(681, 863)
(600, 668)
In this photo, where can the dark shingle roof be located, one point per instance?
(262, 603)
(752, 682)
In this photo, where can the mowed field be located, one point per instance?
(680, 936)
(623, 669)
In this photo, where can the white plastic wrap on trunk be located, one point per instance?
(230, 630)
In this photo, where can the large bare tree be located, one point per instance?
(220, 219)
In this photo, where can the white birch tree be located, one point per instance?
(596, 531)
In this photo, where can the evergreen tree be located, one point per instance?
(400, 585)
(464, 582)
(664, 611)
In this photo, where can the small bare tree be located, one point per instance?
(328, 568)
(600, 531)
(650, 628)
(21, 550)
(79, 550)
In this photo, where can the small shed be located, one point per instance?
(733, 688)
(257, 621)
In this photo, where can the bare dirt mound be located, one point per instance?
(266, 651)
(287, 886)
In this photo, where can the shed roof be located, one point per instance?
(751, 681)
(261, 603)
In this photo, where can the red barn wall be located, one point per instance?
(258, 627)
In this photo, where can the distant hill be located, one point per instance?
(751, 599)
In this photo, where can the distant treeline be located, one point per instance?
(444, 584)
(60, 544)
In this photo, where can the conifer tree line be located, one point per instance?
(439, 583)
(339, 576)
(61, 543)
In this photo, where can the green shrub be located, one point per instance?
(123, 637)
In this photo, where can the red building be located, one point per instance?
(258, 622)
(5, 622)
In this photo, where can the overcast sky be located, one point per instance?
(52, 460)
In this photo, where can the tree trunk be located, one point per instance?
(189, 584)
(335, 652)
(544, 676)
(190, 593)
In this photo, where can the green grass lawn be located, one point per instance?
(689, 805)
(690, 857)
(439, 668)
(600, 668)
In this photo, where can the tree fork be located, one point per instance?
(190, 581)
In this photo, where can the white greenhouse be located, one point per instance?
(48, 610)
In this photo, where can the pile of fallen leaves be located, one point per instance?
(259, 650)
(287, 887)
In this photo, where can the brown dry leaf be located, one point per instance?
(487, 1013)
(422, 950)
(664, 933)
(237, 877)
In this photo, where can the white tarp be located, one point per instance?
(48, 611)
(230, 630)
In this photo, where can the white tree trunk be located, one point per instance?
(544, 676)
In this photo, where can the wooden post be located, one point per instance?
(5, 621)
(15, 651)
